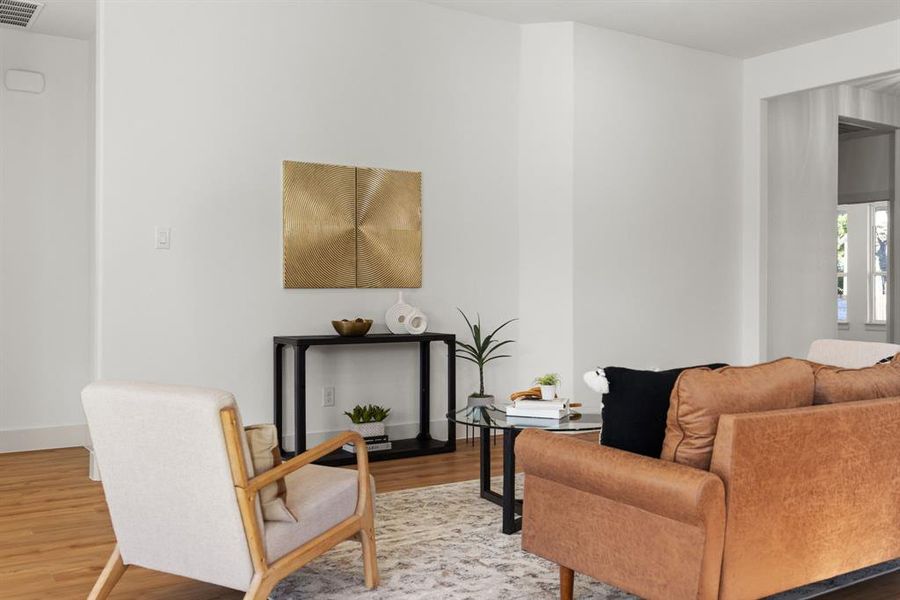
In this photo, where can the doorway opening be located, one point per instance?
(864, 230)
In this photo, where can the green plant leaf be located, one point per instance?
(469, 323)
(498, 345)
(496, 357)
(467, 348)
(488, 339)
(470, 360)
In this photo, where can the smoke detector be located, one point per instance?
(20, 14)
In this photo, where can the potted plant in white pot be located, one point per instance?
(368, 420)
(549, 385)
(481, 351)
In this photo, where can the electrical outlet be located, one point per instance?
(328, 396)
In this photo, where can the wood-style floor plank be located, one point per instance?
(55, 534)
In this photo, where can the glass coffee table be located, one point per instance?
(486, 418)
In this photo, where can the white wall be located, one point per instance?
(45, 243)
(657, 148)
(802, 184)
(191, 133)
(841, 58)
(546, 226)
(629, 170)
(200, 104)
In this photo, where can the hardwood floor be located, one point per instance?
(55, 534)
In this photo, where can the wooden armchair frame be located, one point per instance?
(266, 574)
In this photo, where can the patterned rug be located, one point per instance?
(444, 542)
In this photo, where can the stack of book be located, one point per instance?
(373, 444)
(539, 409)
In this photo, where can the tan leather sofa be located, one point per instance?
(792, 497)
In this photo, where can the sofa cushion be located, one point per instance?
(834, 384)
(263, 442)
(701, 395)
(635, 408)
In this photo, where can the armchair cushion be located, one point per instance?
(320, 497)
(702, 395)
(835, 385)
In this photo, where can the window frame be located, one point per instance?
(873, 272)
(845, 323)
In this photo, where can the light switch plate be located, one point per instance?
(163, 238)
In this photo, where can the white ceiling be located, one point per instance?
(67, 18)
(741, 28)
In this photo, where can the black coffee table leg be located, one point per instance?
(507, 500)
(511, 523)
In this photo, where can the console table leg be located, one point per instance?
(451, 394)
(299, 399)
(424, 391)
(278, 412)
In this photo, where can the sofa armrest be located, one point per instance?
(650, 527)
(664, 488)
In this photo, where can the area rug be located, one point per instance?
(444, 542)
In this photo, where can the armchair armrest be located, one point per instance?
(313, 454)
(664, 488)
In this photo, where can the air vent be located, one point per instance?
(845, 126)
(20, 14)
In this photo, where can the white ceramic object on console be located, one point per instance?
(548, 392)
(416, 322)
(396, 316)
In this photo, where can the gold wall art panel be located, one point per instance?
(388, 229)
(351, 227)
(319, 223)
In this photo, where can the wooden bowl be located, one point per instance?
(356, 327)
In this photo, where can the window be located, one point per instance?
(842, 266)
(878, 262)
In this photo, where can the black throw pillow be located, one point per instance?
(636, 406)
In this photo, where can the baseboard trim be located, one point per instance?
(43, 438)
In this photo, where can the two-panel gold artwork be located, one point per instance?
(350, 227)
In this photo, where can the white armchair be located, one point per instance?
(183, 497)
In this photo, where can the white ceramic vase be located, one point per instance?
(396, 316)
(548, 392)
(416, 322)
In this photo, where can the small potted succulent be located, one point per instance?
(368, 420)
(549, 384)
(481, 352)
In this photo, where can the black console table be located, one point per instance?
(420, 445)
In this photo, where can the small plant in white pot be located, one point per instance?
(368, 420)
(549, 385)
